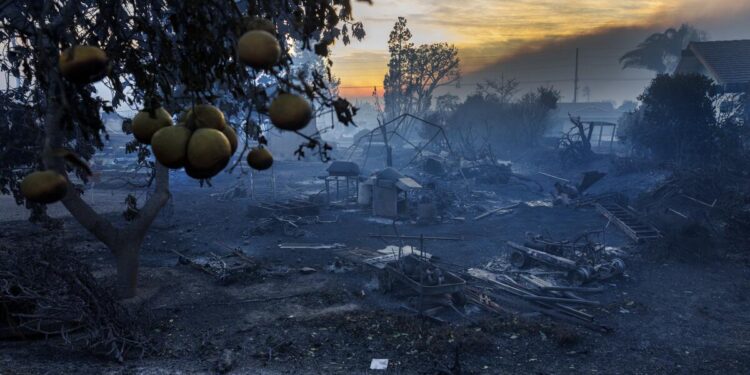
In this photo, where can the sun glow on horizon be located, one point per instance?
(487, 31)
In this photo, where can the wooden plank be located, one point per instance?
(494, 210)
(492, 279)
(544, 257)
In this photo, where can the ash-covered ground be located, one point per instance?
(304, 311)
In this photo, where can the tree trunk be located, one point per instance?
(585, 138)
(126, 258)
(388, 151)
(124, 242)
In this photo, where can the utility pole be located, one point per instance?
(7, 76)
(575, 81)
(332, 120)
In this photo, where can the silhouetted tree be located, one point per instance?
(533, 114)
(660, 51)
(395, 83)
(503, 89)
(677, 120)
(444, 106)
(482, 119)
(415, 72)
(432, 66)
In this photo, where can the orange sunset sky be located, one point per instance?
(489, 32)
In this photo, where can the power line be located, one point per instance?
(575, 84)
(602, 60)
(533, 82)
(525, 68)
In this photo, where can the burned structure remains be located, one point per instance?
(196, 187)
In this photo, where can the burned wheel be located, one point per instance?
(580, 276)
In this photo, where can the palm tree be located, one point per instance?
(660, 50)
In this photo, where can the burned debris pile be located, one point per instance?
(430, 287)
(582, 258)
(290, 225)
(487, 171)
(47, 293)
(548, 277)
(567, 192)
(442, 191)
(426, 279)
(540, 276)
(710, 206)
(226, 269)
(287, 217)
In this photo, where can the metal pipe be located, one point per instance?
(572, 289)
(555, 177)
(562, 300)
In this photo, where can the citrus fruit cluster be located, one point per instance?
(202, 142)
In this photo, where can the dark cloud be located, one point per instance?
(552, 62)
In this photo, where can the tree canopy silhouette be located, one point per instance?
(661, 51)
(414, 72)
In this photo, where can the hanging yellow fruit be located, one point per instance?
(83, 64)
(145, 125)
(259, 158)
(208, 149)
(203, 173)
(290, 112)
(231, 136)
(170, 146)
(259, 49)
(205, 116)
(44, 187)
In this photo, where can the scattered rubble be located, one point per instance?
(298, 207)
(566, 192)
(226, 269)
(487, 171)
(553, 293)
(497, 211)
(290, 225)
(706, 205)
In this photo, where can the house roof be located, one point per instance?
(726, 61)
(586, 107)
(588, 111)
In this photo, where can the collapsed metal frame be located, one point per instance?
(399, 124)
(592, 125)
